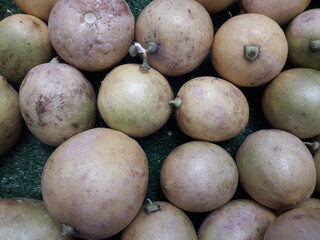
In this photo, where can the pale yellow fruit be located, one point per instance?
(27, 218)
(249, 50)
(160, 220)
(199, 176)
(290, 101)
(37, 8)
(95, 182)
(276, 168)
(182, 30)
(10, 119)
(24, 44)
(213, 6)
(135, 102)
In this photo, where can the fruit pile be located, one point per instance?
(184, 119)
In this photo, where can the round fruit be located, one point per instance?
(299, 223)
(213, 6)
(290, 102)
(237, 219)
(303, 37)
(199, 176)
(249, 50)
(160, 220)
(211, 109)
(135, 102)
(95, 182)
(281, 11)
(57, 102)
(91, 35)
(27, 218)
(37, 8)
(316, 158)
(276, 168)
(10, 118)
(24, 44)
(182, 30)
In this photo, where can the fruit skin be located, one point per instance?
(95, 182)
(24, 44)
(316, 158)
(183, 31)
(276, 168)
(281, 11)
(170, 222)
(214, 6)
(212, 109)
(227, 55)
(27, 218)
(237, 219)
(301, 31)
(199, 176)
(10, 119)
(290, 101)
(301, 223)
(135, 102)
(37, 8)
(57, 102)
(91, 35)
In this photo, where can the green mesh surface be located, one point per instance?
(21, 167)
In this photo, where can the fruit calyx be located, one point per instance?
(313, 146)
(176, 102)
(315, 45)
(68, 230)
(136, 49)
(251, 52)
(152, 207)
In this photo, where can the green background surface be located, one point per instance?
(21, 167)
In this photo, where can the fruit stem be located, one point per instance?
(176, 102)
(152, 207)
(136, 49)
(55, 60)
(251, 52)
(314, 146)
(67, 230)
(315, 45)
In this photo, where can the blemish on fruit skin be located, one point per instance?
(41, 108)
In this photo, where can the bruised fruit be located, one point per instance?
(281, 11)
(182, 31)
(160, 220)
(199, 176)
(57, 102)
(237, 219)
(276, 168)
(135, 102)
(27, 218)
(24, 44)
(249, 50)
(10, 119)
(291, 100)
(89, 34)
(299, 223)
(95, 182)
(303, 35)
(37, 8)
(211, 109)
